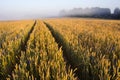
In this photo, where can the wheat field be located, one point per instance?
(60, 49)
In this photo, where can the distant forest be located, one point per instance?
(94, 12)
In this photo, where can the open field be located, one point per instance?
(60, 49)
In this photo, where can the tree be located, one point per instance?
(117, 13)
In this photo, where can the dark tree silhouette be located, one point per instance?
(116, 13)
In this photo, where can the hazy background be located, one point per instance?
(31, 9)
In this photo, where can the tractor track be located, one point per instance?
(23, 48)
(64, 44)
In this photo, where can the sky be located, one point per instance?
(30, 9)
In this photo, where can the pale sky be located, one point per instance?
(28, 9)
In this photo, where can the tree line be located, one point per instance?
(94, 12)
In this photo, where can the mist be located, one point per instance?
(27, 15)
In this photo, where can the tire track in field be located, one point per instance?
(23, 48)
(65, 48)
(24, 45)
